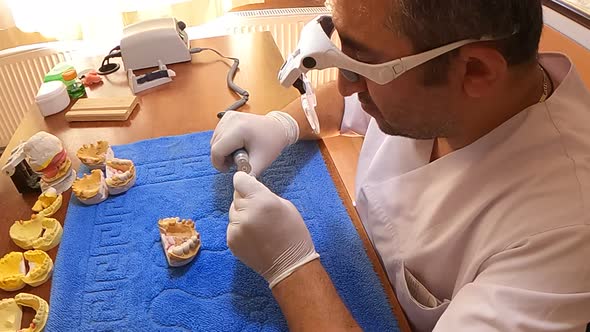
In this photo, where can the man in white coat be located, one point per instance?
(473, 181)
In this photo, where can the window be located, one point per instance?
(577, 10)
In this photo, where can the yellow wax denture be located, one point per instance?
(10, 315)
(39, 233)
(12, 271)
(94, 155)
(39, 305)
(40, 267)
(180, 241)
(13, 275)
(48, 202)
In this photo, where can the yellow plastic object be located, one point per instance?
(40, 267)
(12, 271)
(48, 202)
(10, 315)
(39, 305)
(95, 155)
(39, 232)
(180, 241)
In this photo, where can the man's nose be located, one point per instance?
(347, 87)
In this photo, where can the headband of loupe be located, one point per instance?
(315, 50)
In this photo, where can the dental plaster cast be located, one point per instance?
(95, 155)
(39, 232)
(13, 274)
(120, 175)
(11, 313)
(12, 271)
(91, 188)
(180, 241)
(48, 202)
(47, 156)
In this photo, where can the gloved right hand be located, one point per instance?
(266, 232)
(263, 136)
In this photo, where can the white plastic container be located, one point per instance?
(52, 98)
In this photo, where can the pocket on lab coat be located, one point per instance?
(421, 307)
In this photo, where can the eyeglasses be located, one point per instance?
(316, 51)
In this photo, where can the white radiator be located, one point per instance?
(22, 70)
(21, 73)
(284, 24)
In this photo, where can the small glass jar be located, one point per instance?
(74, 85)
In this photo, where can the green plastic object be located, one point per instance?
(55, 73)
(75, 88)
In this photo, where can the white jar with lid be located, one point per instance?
(52, 98)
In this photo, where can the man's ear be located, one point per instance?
(484, 68)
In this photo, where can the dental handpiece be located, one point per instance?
(240, 156)
(242, 161)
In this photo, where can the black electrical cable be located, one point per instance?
(230, 81)
(107, 67)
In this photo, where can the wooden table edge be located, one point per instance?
(370, 250)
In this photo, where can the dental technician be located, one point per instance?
(473, 181)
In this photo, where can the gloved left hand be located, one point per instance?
(267, 232)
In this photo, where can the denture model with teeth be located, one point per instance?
(48, 202)
(13, 274)
(91, 188)
(39, 232)
(120, 175)
(11, 313)
(95, 155)
(47, 157)
(180, 241)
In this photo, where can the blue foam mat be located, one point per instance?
(111, 273)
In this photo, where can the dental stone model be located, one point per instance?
(180, 240)
(120, 175)
(95, 155)
(13, 275)
(12, 271)
(11, 313)
(91, 188)
(39, 232)
(46, 156)
(48, 202)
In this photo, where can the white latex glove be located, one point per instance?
(267, 232)
(263, 136)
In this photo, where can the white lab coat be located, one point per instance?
(492, 237)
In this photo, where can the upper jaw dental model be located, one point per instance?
(11, 313)
(180, 241)
(95, 155)
(91, 188)
(120, 175)
(13, 274)
(39, 232)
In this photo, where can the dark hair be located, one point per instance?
(433, 23)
